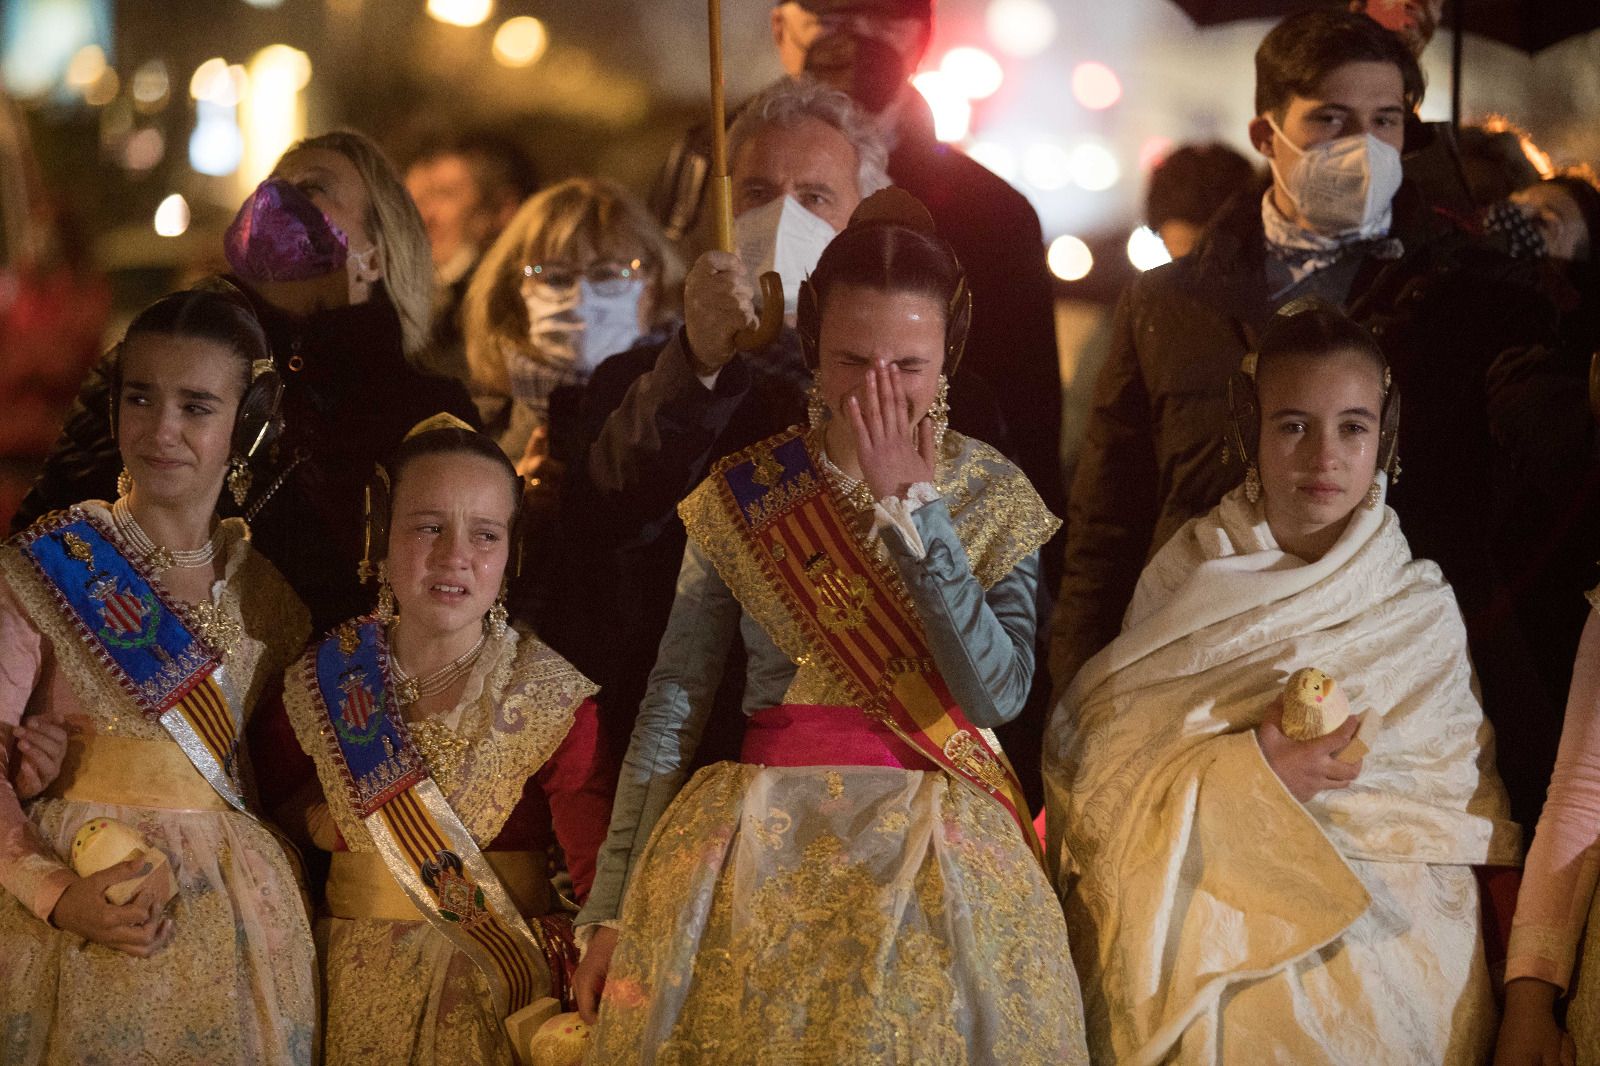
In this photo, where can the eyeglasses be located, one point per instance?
(610, 277)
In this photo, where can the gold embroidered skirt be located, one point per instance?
(838, 915)
(399, 993)
(237, 984)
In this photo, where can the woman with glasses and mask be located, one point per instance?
(580, 274)
(152, 630)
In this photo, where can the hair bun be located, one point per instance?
(893, 206)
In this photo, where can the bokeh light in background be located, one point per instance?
(1093, 166)
(43, 37)
(1146, 249)
(1021, 28)
(151, 88)
(461, 12)
(272, 114)
(1070, 258)
(172, 216)
(952, 111)
(972, 72)
(520, 41)
(1047, 166)
(216, 147)
(996, 156)
(1096, 86)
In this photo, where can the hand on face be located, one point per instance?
(175, 415)
(717, 304)
(449, 541)
(894, 444)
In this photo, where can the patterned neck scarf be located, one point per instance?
(1305, 252)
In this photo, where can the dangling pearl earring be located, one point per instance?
(816, 408)
(124, 482)
(239, 479)
(386, 611)
(1374, 494)
(494, 623)
(939, 413)
(1252, 484)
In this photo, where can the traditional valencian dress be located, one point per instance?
(156, 693)
(439, 881)
(863, 885)
(1215, 918)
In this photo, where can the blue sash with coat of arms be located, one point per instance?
(143, 639)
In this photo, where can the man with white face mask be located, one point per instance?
(802, 158)
(1333, 92)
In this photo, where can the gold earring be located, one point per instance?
(239, 479)
(1252, 484)
(386, 611)
(124, 482)
(1374, 494)
(940, 413)
(816, 408)
(495, 621)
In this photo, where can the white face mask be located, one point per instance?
(582, 327)
(785, 237)
(1343, 186)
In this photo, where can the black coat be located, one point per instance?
(346, 407)
(1152, 454)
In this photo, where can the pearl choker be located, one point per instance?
(408, 689)
(159, 557)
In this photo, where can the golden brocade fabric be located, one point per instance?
(398, 992)
(853, 915)
(237, 984)
(998, 517)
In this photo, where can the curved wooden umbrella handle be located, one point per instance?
(1594, 385)
(765, 331)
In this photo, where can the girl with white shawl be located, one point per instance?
(1235, 895)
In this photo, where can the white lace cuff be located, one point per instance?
(895, 511)
(581, 935)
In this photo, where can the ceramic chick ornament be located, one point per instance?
(104, 842)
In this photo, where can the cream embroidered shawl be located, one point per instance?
(1184, 864)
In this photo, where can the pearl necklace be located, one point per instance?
(408, 689)
(856, 492)
(159, 557)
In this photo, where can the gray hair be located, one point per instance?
(786, 103)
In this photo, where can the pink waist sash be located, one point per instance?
(803, 734)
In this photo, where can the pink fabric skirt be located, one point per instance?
(805, 734)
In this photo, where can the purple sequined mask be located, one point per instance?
(280, 235)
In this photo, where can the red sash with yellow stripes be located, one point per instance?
(144, 641)
(857, 613)
(423, 842)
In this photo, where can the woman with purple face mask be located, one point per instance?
(334, 259)
(579, 275)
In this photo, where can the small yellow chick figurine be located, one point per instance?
(1313, 705)
(103, 842)
(561, 1041)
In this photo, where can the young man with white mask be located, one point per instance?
(657, 417)
(1333, 90)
